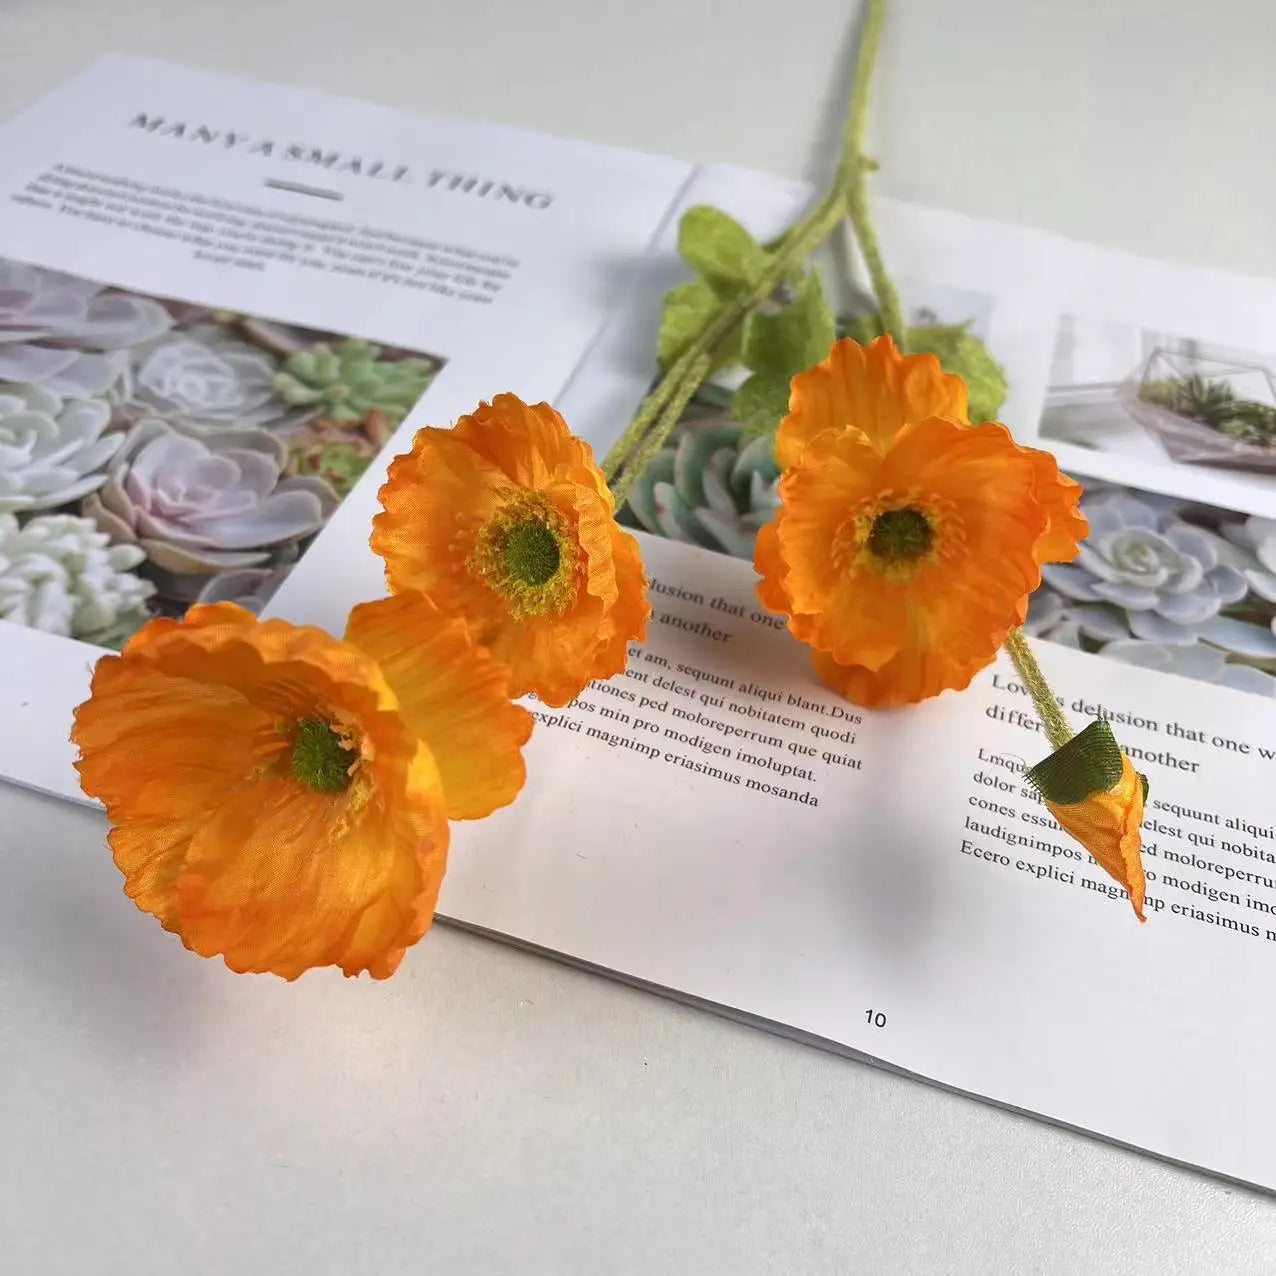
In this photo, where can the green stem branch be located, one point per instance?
(654, 420)
(1058, 732)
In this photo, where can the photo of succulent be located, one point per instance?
(1167, 584)
(709, 485)
(1132, 392)
(155, 452)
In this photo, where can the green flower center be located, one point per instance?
(532, 553)
(526, 553)
(899, 536)
(320, 758)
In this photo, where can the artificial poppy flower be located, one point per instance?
(273, 800)
(506, 521)
(904, 564)
(1097, 796)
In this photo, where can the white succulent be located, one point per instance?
(58, 573)
(201, 503)
(203, 379)
(52, 451)
(69, 334)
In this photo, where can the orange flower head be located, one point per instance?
(273, 798)
(906, 545)
(1097, 796)
(506, 521)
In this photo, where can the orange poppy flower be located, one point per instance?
(1097, 796)
(280, 797)
(907, 541)
(904, 568)
(506, 521)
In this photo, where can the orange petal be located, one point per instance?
(529, 443)
(769, 563)
(1061, 495)
(434, 501)
(452, 695)
(626, 621)
(282, 879)
(1108, 826)
(871, 388)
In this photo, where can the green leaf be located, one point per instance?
(960, 352)
(718, 248)
(760, 404)
(687, 309)
(789, 341)
(1089, 763)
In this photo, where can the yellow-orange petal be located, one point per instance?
(529, 443)
(1061, 495)
(452, 695)
(1108, 826)
(873, 389)
(188, 740)
(626, 620)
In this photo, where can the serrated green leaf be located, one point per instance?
(718, 248)
(760, 404)
(789, 341)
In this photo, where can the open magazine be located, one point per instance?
(232, 303)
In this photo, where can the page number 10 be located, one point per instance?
(876, 1017)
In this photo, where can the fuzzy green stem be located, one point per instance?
(645, 450)
(654, 421)
(856, 177)
(1058, 732)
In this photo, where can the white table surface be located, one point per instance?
(490, 1111)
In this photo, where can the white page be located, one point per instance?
(495, 252)
(1023, 977)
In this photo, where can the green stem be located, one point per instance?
(654, 421)
(856, 179)
(646, 448)
(1058, 732)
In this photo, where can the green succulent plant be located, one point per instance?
(337, 453)
(711, 485)
(1214, 403)
(347, 381)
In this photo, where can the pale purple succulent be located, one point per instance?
(69, 335)
(203, 379)
(1152, 589)
(52, 451)
(199, 504)
(1165, 577)
(250, 587)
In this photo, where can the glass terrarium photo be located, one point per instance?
(1207, 411)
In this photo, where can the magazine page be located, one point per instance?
(886, 881)
(223, 306)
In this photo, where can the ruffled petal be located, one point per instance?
(873, 389)
(452, 695)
